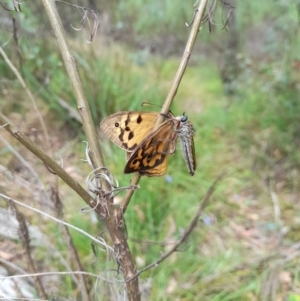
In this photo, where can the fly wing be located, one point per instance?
(186, 133)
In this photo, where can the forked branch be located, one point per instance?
(104, 203)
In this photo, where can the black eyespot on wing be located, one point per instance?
(139, 119)
(117, 124)
(130, 136)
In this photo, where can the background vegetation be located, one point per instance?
(241, 92)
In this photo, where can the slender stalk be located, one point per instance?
(49, 163)
(24, 235)
(184, 60)
(69, 62)
(173, 90)
(75, 259)
(104, 207)
(188, 230)
(30, 96)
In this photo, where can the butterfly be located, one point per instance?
(147, 150)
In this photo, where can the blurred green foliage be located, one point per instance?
(252, 132)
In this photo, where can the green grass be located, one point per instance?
(253, 136)
(223, 138)
(240, 139)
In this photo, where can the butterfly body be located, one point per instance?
(147, 150)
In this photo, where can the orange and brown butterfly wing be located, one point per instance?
(157, 171)
(150, 157)
(128, 129)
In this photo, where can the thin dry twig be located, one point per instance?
(105, 207)
(209, 17)
(73, 113)
(40, 240)
(18, 181)
(184, 60)
(104, 174)
(13, 267)
(16, 6)
(173, 90)
(23, 139)
(190, 23)
(54, 195)
(16, 40)
(24, 162)
(24, 235)
(77, 6)
(101, 242)
(30, 96)
(63, 273)
(188, 230)
(69, 62)
(85, 18)
(230, 9)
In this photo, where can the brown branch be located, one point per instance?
(24, 235)
(71, 68)
(184, 60)
(104, 207)
(173, 90)
(16, 40)
(230, 9)
(31, 146)
(189, 229)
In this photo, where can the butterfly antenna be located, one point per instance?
(146, 103)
